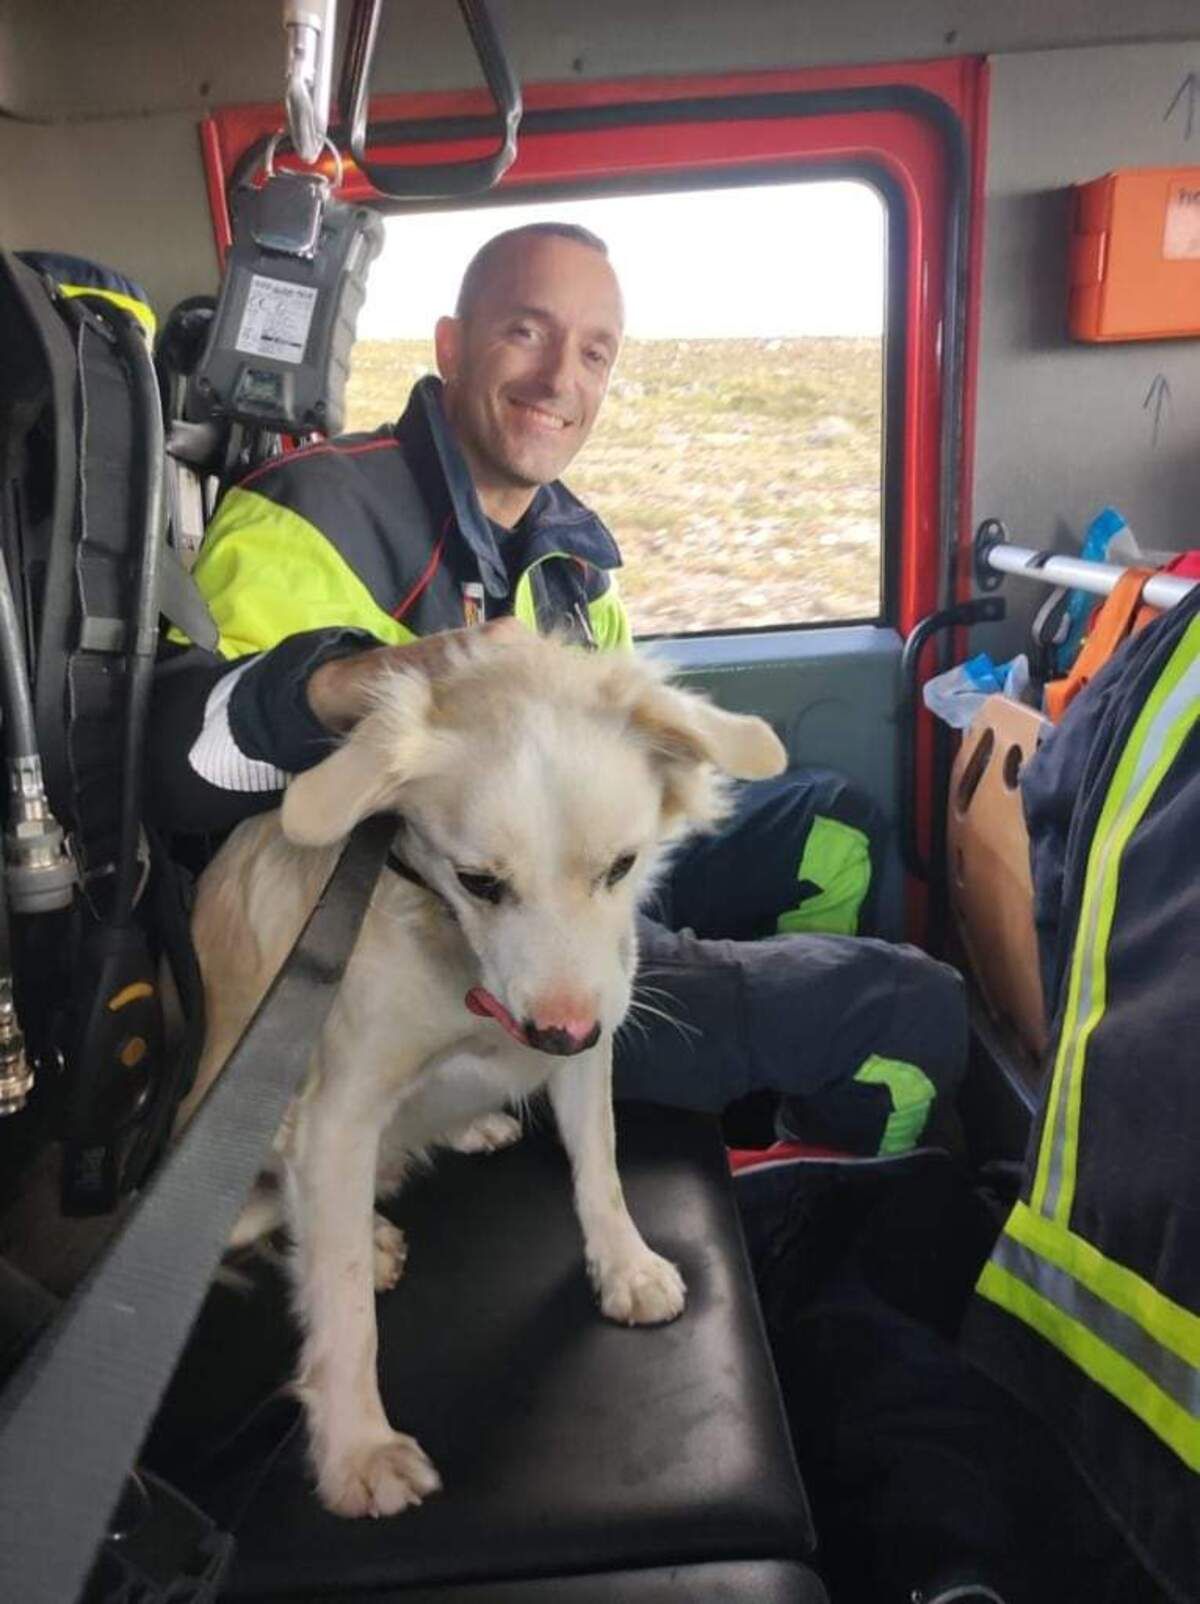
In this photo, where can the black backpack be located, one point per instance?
(84, 540)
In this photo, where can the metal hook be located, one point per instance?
(309, 25)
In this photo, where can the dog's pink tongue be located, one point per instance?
(481, 1002)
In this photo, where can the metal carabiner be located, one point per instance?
(309, 25)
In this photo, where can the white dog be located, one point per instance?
(537, 786)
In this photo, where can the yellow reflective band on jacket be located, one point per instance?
(1104, 1319)
(1170, 714)
(1172, 1327)
(610, 621)
(606, 614)
(1140, 1346)
(127, 303)
(267, 573)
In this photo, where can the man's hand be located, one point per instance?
(339, 692)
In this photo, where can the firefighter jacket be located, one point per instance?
(335, 548)
(1089, 1308)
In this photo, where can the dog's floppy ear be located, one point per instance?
(367, 772)
(688, 739)
(323, 804)
(684, 726)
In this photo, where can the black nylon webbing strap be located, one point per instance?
(73, 1418)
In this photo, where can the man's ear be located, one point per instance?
(367, 773)
(447, 346)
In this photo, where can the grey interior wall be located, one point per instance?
(74, 58)
(129, 193)
(1063, 428)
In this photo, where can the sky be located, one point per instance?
(761, 261)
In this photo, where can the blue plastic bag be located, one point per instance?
(957, 695)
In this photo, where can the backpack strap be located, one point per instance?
(83, 465)
(183, 605)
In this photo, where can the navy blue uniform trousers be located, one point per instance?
(725, 1005)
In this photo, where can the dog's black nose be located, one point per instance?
(553, 1039)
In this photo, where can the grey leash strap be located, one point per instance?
(73, 1417)
(183, 605)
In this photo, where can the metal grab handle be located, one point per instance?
(994, 556)
(983, 610)
(442, 180)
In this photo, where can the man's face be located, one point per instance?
(527, 368)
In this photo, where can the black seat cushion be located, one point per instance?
(567, 1445)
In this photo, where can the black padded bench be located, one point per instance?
(582, 1461)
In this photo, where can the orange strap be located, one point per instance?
(1121, 615)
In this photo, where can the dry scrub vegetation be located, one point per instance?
(741, 478)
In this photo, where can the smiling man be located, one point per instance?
(320, 564)
(526, 361)
(339, 561)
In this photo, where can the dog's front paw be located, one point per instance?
(647, 1291)
(378, 1478)
(487, 1134)
(390, 1254)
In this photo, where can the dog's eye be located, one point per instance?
(484, 886)
(620, 868)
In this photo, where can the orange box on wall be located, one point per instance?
(1135, 255)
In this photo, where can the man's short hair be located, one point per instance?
(486, 256)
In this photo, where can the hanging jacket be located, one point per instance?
(1089, 1309)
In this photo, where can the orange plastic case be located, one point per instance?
(1135, 255)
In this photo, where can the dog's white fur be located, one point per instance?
(542, 766)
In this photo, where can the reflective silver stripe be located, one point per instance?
(1185, 695)
(1171, 1374)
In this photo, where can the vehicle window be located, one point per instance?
(738, 456)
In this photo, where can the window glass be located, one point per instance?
(737, 458)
